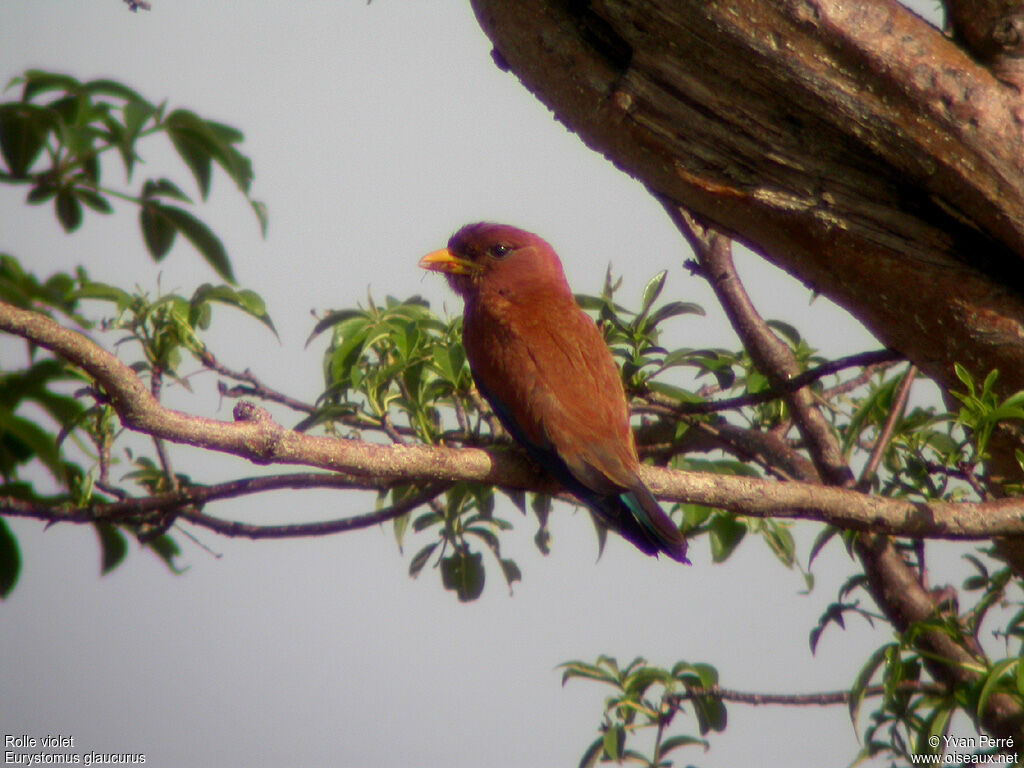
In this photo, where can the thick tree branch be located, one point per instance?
(890, 579)
(256, 437)
(852, 144)
(993, 31)
(766, 449)
(823, 698)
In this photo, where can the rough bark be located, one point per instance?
(852, 144)
(255, 436)
(993, 30)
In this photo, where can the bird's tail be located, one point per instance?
(640, 519)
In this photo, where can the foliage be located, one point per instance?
(396, 371)
(55, 136)
(647, 699)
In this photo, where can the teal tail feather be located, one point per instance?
(648, 522)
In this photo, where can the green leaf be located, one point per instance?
(92, 199)
(260, 209)
(207, 243)
(167, 549)
(592, 753)
(674, 308)
(420, 560)
(511, 571)
(41, 192)
(1020, 679)
(820, 541)
(964, 376)
(69, 210)
(164, 188)
(786, 330)
(103, 292)
(248, 301)
(588, 672)
(780, 541)
(201, 141)
(876, 660)
(159, 222)
(185, 132)
(115, 89)
(38, 81)
(332, 319)
(25, 439)
(614, 741)
(934, 726)
(23, 131)
(992, 683)
(10, 560)
(463, 573)
(136, 113)
(711, 714)
(652, 291)
(682, 741)
(703, 675)
(112, 545)
(726, 532)
(158, 230)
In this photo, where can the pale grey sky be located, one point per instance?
(377, 130)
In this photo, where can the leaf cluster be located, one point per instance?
(645, 703)
(54, 137)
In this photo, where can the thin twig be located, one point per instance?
(769, 353)
(255, 388)
(860, 379)
(782, 389)
(134, 508)
(342, 525)
(899, 404)
(156, 389)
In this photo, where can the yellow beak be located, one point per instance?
(445, 261)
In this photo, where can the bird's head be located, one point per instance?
(497, 257)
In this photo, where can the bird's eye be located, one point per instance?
(499, 251)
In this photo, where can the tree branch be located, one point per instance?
(184, 504)
(248, 530)
(252, 385)
(891, 581)
(779, 389)
(256, 437)
(851, 144)
(885, 434)
(804, 699)
(769, 353)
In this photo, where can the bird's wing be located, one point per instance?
(550, 372)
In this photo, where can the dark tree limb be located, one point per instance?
(870, 360)
(769, 353)
(852, 144)
(993, 32)
(891, 580)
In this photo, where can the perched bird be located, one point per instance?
(543, 366)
